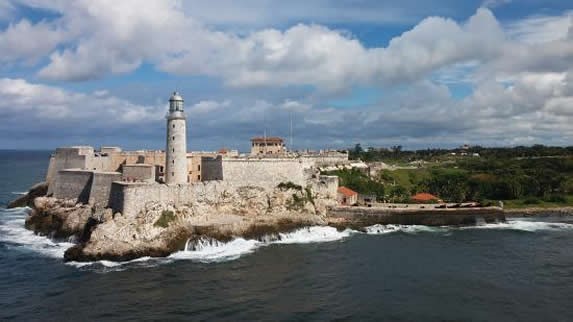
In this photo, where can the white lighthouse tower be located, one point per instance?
(176, 154)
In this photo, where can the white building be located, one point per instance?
(176, 150)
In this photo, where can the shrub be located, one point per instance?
(288, 186)
(556, 198)
(531, 201)
(166, 217)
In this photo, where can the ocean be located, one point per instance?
(518, 271)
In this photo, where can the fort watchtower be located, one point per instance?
(176, 153)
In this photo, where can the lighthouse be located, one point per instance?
(176, 153)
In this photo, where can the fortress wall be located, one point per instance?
(67, 158)
(117, 159)
(131, 198)
(326, 186)
(100, 189)
(73, 184)
(266, 173)
(101, 162)
(211, 168)
(323, 160)
(138, 172)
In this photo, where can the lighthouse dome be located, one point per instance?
(176, 103)
(175, 97)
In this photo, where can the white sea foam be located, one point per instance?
(12, 231)
(410, 229)
(525, 225)
(208, 250)
(316, 234)
(19, 193)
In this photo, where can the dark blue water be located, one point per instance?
(521, 271)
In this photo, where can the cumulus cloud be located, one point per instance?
(112, 38)
(21, 99)
(519, 73)
(27, 42)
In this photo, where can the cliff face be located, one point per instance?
(161, 228)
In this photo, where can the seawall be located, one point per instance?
(365, 216)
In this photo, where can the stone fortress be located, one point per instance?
(126, 181)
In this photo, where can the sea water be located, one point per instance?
(521, 270)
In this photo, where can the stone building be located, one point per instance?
(347, 196)
(261, 146)
(126, 180)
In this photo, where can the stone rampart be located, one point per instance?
(67, 158)
(326, 186)
(129, 198)
(323, 160)
(266, 173)
(73, 184)
(211, 168)
(100, 190)
(138, 172)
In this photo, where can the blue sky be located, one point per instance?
(437, 73)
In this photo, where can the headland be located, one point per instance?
(120, 205)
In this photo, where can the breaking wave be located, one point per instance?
(208, 250)
(15, 236)
(408, 229)
(524, 225)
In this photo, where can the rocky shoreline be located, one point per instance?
(162, 229)
(251, 213)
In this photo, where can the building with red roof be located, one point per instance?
(347, 196)
(424, 197)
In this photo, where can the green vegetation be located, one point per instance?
(360, 182)
(300, 197)
(166, 217)
(283, 186)
(536, 176)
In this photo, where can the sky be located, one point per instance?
(421, 74)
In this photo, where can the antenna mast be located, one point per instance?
(291, 146)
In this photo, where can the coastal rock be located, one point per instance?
(60, 219)
(27, 200)
(163, 228)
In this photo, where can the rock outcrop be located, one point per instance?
(27, 200)
(162, 228)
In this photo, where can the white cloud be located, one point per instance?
(520, 74)
(495, 3)
(541, 29)
(22, 99)
(27, 42)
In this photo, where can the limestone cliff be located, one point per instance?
(162, 228)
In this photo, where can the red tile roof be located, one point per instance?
(424, 196)
(347, 192)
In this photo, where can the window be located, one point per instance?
(173, 161)
(173, 149)
(173, 138)
(172, 174)
(173, 125)
(199, 167)
(198, 177)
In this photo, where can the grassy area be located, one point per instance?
(407, 178)
(537, 203)
(166, 217)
